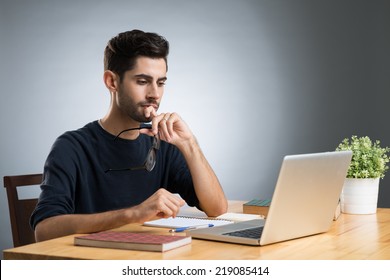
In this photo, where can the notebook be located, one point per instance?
(304, 202)
(182, 221)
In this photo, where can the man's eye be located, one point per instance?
(161, 84)
(142, 82)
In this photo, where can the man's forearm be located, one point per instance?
(161, 204)
(62, 225)
(207, 187)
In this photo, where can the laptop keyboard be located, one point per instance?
(253, 233)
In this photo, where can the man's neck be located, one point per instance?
(114, 127)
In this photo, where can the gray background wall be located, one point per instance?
(255, 80)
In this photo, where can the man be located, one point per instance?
(94, 179)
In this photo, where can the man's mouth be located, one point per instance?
(154, 105)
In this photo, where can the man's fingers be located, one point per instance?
(164, 203)
(150, 112)
(165, 124)
(170, 205)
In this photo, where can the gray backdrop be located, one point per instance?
(255, 80)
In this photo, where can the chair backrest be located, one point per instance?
(20, 209)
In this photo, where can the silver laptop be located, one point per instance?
(304, 202)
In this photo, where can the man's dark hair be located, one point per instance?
(122, 51)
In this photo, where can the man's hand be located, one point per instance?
(162, 204)
(172, 128)
(169, 126)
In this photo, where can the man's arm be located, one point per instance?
(211, 197)
(173, 129)
(162, 204)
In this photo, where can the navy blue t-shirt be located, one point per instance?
(75, 181)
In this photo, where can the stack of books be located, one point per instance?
(257, 206)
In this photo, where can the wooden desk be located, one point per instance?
(354, 237)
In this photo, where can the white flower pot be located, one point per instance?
(360, 196)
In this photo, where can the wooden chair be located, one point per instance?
(20, 209)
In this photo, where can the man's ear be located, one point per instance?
(111, 80)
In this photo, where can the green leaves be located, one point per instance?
(369, 160)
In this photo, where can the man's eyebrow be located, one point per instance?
(148, 77)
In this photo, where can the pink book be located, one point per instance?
(132, 241)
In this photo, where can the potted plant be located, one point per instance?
(368, 165)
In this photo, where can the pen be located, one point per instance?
(181, 229)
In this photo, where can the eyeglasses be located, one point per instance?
(151, 157)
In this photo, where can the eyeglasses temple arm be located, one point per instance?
(142, 126)
(125, 169)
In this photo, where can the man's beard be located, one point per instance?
(136, 111)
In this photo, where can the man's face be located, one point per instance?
(142, 88)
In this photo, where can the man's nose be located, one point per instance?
(154, 92)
